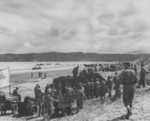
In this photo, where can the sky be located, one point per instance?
(100, 26)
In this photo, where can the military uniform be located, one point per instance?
(109, 84)
(142, 77)
(69, 98)
(75, 71)
(80, 98)
(97, 88)
(15, 93)
(37, 92)
(117, 87)
(92, 89)
(49, 104)
(128, 79)
(46, 87)
(88, 89)
(103, 90)
(85, 89)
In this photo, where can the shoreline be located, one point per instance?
(17, 71)
(26, 84)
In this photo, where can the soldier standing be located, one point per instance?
(75, 71)
(85, 89)
(92, 88)
(103, 90)
(142, 76)
(48, 104)
(37, 92)
(109, 85)
(80, 97)
(35, 88)
(69, 97)
(97, 87)
(88, 89)
(117, 86)
(135, 68)
(46, 88)
(128, 79)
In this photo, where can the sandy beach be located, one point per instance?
(94, 110)
(26, 84)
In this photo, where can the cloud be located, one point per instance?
(102, 26)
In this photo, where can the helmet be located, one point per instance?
(126, 64)
(92, 80)
(103, 82)
(97, 79)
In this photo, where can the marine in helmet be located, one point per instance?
(80, 97)
(16, 93)
(92, 88)
(97, 87)
(109, 84)
(128, 79)
(103, 90)
(88, 89)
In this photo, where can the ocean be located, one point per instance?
(21, 67)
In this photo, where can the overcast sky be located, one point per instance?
(101, 26)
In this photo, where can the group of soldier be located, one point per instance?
(88, 89)
(39, 75)
(52, 99)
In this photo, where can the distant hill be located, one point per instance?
(74, 56)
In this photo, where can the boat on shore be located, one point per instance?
(40, 64)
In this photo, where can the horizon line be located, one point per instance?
(72, 52)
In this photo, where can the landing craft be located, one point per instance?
(39, 64)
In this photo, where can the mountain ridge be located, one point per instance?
(72, 56)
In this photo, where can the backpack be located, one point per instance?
(129, 77)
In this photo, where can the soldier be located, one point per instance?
(142, 76)
(81, 86)
(46, 88)
(85, 74)
(109, 84)
(103, 90)
(48, 104)
(75, 71)
(57, 95)
(92, 88)
(97, 87)
(70, 94)
(37, 92)
(135, 68)
(40, 104)
(88, 89)
(69, 97)
(15, 93)
(128, 79)
(80, 97)
(85, 89)
(117, 86)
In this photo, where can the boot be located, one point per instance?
(129, 113)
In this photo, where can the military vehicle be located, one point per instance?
(6, 104)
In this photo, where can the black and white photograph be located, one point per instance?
(74, 60)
